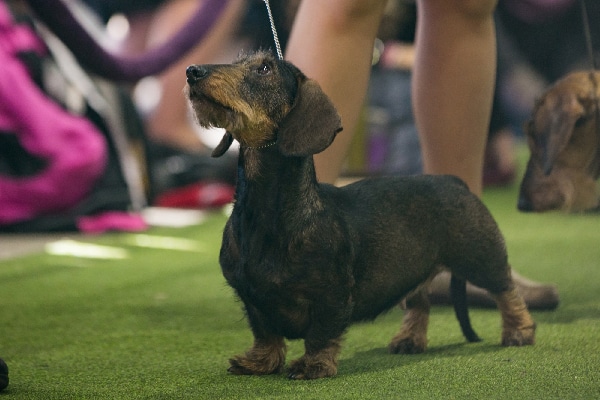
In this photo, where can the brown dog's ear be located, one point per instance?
(223, 145)
(311, 124)
(558, 128)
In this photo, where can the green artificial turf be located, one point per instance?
(161, 324)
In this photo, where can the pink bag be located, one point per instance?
(74, 150)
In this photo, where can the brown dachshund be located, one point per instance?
(308, 259)
(564, 141)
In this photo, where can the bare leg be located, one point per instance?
(332, 41)
(453, 85)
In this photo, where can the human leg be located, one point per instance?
(332, 42)
(453, 86)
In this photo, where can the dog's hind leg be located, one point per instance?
(412, 338)
(518, 328)
(266, 356)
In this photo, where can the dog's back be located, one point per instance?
(414, 226)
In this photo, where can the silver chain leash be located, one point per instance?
(588, 35)
(275, 37)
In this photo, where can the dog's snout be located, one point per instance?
(524, 204)
(195, 72)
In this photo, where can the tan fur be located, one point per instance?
(313, 365)
(249, 125)
(412, 338)
(264, 357)
(518, 328)
(564, 140)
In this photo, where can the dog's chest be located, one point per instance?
(283, 292)
(276, 296)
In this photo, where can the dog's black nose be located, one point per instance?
(195, 72)
(524, 204)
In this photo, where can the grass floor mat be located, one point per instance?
(161, 324)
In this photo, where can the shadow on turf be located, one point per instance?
(379, 359)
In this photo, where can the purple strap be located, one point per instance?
(98, 60)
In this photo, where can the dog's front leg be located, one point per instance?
(267, 354)
(322, 342)
(318, 361)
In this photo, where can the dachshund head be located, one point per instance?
(564, 142)
(262, 101)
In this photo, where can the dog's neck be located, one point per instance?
(270, 181)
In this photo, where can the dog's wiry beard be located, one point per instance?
(249, 126)
(248, 134)
(245, 129)
(211, 116)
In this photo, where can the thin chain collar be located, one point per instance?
(264, 146)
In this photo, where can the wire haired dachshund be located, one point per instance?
(564, 142)
(308, 259)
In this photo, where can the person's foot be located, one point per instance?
(537, 296)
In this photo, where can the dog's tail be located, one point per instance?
(458, 293)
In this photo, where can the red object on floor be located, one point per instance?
(202, 195)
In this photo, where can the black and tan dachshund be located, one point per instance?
(308, 259)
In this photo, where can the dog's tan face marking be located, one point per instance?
(563, 137)
(242, 97)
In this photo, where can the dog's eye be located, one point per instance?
(264, 69)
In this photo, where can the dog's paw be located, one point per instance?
(242, 365)
(311, 368)
(519, 337)
(407, 345)
(236, 367)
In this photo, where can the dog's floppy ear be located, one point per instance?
(558, 128)
(223, 145)
(311, 124)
